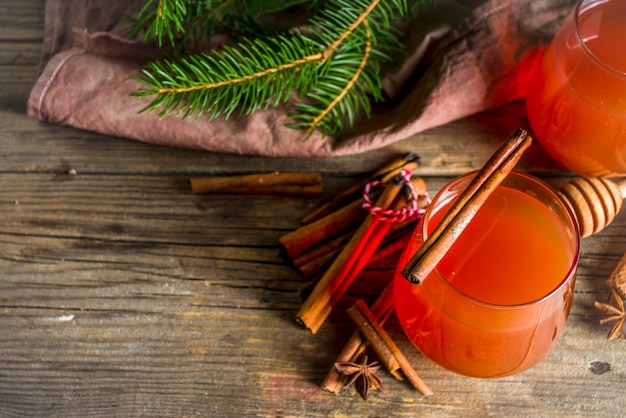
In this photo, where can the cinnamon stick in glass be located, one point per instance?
(461, 213)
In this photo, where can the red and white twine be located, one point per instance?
(410, 210)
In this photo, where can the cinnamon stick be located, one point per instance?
(394, 243)
(290, 183)
(408, 161)
(381, 231)
(388, 352)
(318, 305)
(314, 267)
(305, 289)
(330, 245)
(306, 237)
(461, 213)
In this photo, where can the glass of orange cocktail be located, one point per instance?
(499, 299)
(576, 99)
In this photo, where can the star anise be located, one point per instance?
(615, 313)
(362, 375)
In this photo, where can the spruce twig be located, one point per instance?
(332, 64)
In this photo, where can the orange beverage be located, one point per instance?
(576, 99)
(499, 299)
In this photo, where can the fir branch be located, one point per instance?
(333, 66)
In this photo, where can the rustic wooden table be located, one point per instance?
(123, 294)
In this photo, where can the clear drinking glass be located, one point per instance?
(498, 301)
(576, 99)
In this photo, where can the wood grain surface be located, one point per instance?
(122, 294)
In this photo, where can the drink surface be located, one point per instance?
(511, 253)
(576, 104)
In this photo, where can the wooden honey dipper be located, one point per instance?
(595, 201)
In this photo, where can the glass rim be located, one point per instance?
(585, 47)
(571, 271)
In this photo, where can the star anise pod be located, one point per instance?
(362, 375)
(615, 313)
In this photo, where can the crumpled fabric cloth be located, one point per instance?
(464, 57)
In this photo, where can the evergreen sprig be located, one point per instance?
(332, 64)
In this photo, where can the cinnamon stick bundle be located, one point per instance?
(340, 238)
(281, 184)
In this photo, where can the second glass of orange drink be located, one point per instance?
(576, 99)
